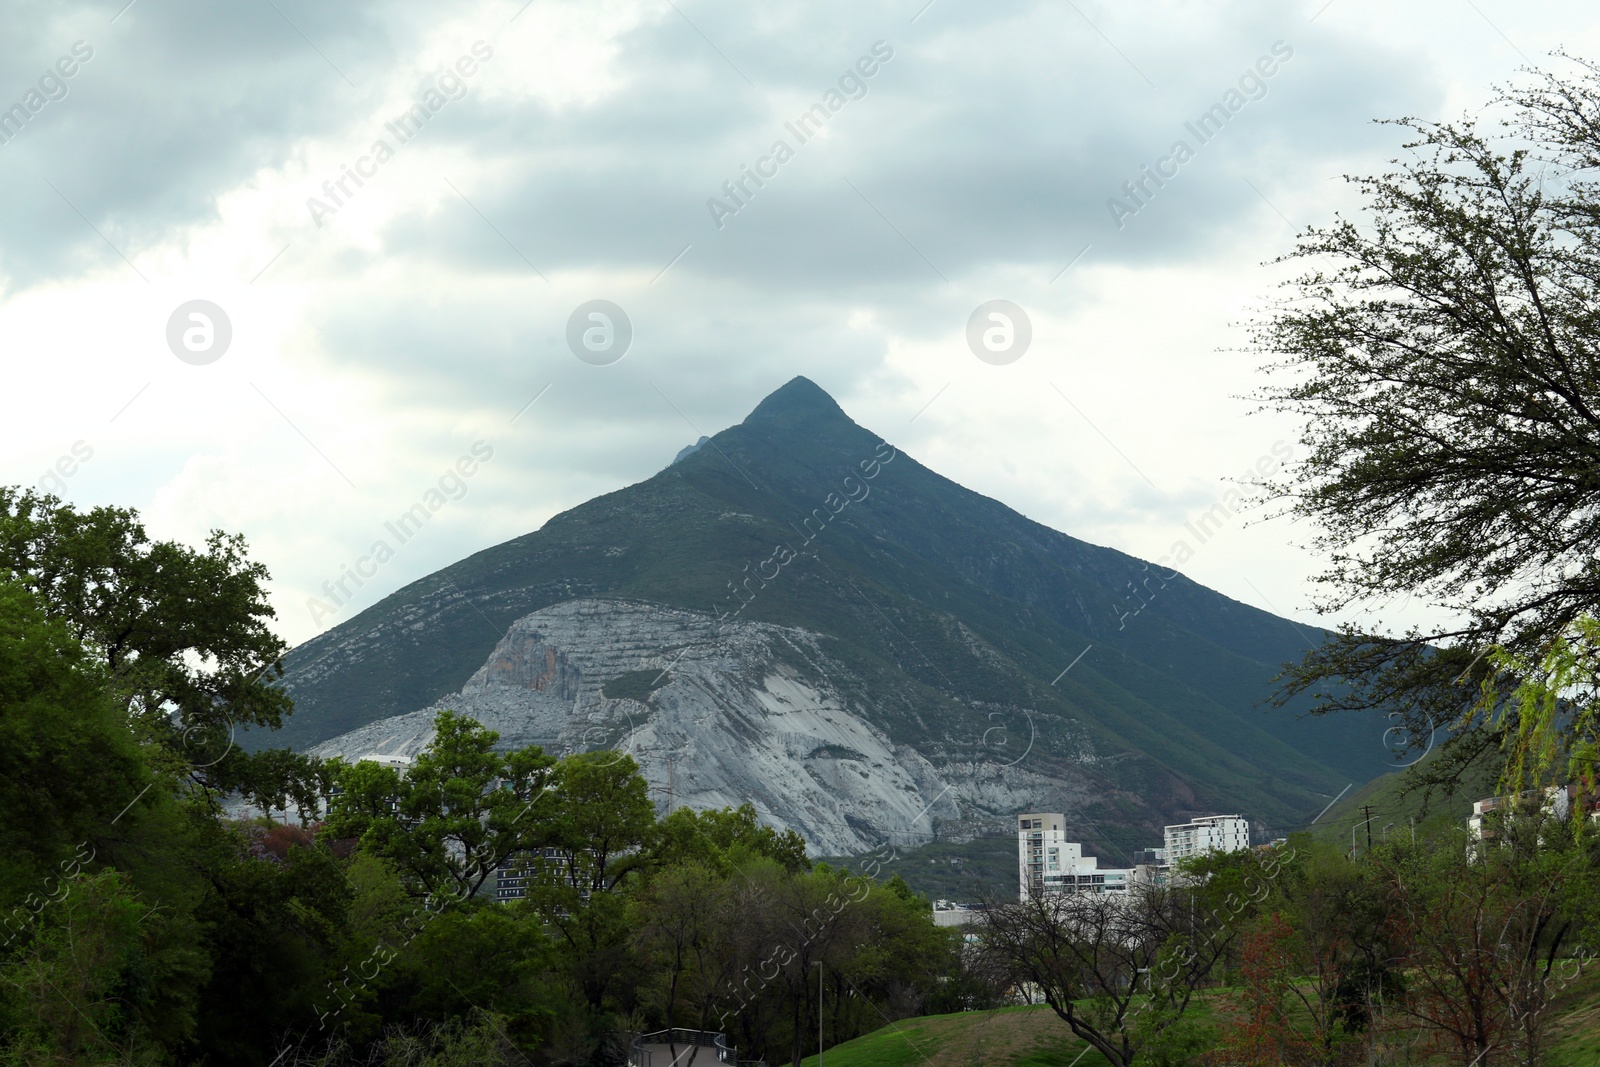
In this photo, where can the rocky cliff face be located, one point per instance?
(739, 711)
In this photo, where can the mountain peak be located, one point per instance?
(799, 397)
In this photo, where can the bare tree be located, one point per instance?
(1486, 937)
(1119, 969)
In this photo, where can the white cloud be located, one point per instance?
(375, 349)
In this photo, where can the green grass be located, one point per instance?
(1035, 1037)
(1574, 1039)
(1020, 1036)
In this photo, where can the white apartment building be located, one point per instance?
(1557, 802)
(1048, 863)
(1209, 833)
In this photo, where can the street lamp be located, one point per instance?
(818, 965)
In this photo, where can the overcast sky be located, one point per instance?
(570, 153)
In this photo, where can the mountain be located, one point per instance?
(796, 613)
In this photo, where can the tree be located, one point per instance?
(1268, 1037)
(1326, 927)
(1551, 718)
(75, 993)
(600, 819)
(1120, 971)
(1445, 366)
(183, 635)
(596, 828)
(682, 924)
(725, 837)
(899, 957)
(458, 812)
(272, 930)
(493, 958)
(69, 767)
(810, 923)
(1482, 930)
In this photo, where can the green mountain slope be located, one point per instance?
(954, 613)
(1392, 804)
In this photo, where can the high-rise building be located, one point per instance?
(1209, 833)
(1048, 863)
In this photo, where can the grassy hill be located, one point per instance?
(1036, 1037)
(1006, 1037)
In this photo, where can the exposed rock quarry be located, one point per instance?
(739, 711)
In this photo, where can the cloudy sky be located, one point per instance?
(354, 341)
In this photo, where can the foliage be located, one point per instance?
(1119, 970)
(1480, 928)
(272, 930)
(475, 1039)
(727, 837)
(145, 926)
(1267, 1037)
(68, 765)
(460, 810)
(1550, 720)
(1446, 372)
(183, 635)
(599, 817)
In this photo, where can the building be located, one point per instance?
(1557, 802)
(1156, 874)
(544, 865)
(1209, 833)
(398, 763)
(1048, 863)
(1039, 837)
(949, 913)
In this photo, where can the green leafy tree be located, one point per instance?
(1441, 352)
(492, 958)
(273, 930)
(1343, 954)
(726, 837)
(898, 958)
(85, 985)
(597, 827)
(600, 819)
(682, 925)
(69, 767)
(1268, 1036)
(1481, 927)
(458, 812)
(184, 636)
(1550, 718)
